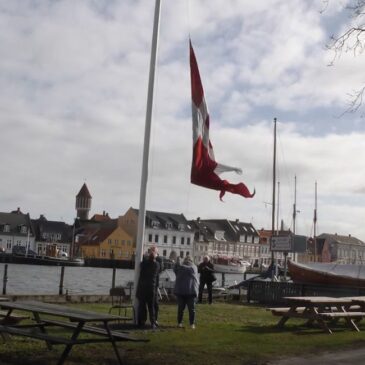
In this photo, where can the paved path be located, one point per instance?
(351, 356)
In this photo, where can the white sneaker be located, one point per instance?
(180, 325)
(193, 326)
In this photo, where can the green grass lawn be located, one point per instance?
(225, 334)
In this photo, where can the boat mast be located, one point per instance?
(273, 198)
(146, 147)
(315, 222)
(277, 210)
(295, 203)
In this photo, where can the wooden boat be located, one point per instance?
(327, 274)
(229, 265)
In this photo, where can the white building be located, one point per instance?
(171, 233)
(16, 232)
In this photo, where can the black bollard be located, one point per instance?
(113, 279)
(61, 280)
(5, 278)
(223, 279)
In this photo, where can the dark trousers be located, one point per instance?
(143, 305)
(201, 288)
(182, 302)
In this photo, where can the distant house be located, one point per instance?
(52, 237)
(15, 230)
(107, 242)
(171, 233)
(224, 237)
(342, 249)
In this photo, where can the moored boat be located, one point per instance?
(327, 273)
(231, 265)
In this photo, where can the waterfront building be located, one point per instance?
(52, 238)
(223, 237)
(107, 242)
(342, 249)
(171, 233)
(16, 232)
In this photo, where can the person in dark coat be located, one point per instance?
(147, 289)
(206, 271)
(186, 289)
(160, 261)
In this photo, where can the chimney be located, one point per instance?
(104, 213)
(237, 221)
(349, 235)
(198, 219)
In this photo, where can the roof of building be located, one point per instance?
(15, 220)
(84, 192)
(42, 225)
(164, 219)
(232, 230)
(341, 239)
(95, 237)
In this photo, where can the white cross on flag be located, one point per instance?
(205, 170)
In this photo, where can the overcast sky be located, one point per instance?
(73, 83)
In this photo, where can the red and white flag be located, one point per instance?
(205, 170)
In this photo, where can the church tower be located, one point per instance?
(83, 203)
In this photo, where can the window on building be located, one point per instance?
(188, 241)
(181, 254)
(156, 238)
(123, 242)
(116, 242)
(164, 253)
(165, 238)
(109, 241)
(6, 228)
(174, 239)
(150, 238)
(129, 243)
(182, 240)
(187, 253)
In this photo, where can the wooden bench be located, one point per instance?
(348, 316)
(12, 319)
(283, 310)
(37, 335)
(117, 335)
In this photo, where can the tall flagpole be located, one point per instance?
(273, 199)
(146, 148)
(315, 222)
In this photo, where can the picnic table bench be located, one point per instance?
(320, 309)
(76, 320)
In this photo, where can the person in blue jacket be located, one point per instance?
(186, 289)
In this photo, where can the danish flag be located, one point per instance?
(205, 170)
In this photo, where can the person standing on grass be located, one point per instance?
(206, 271)
(147, 289)
(160, 261)
(186, 289)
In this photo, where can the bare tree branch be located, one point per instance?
(352, 40)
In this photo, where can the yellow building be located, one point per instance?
(108, 243)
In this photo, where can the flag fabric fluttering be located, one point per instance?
(205, 170)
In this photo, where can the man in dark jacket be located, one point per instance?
(147, 289)
(206, 271)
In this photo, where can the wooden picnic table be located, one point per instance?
(75, 320)
(319, 309)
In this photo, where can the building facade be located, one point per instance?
(16, 232)
(222, 237)
(171, 233)
(52, 238)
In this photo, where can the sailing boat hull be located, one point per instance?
(328, 274)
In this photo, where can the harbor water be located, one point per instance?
(39, 279)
